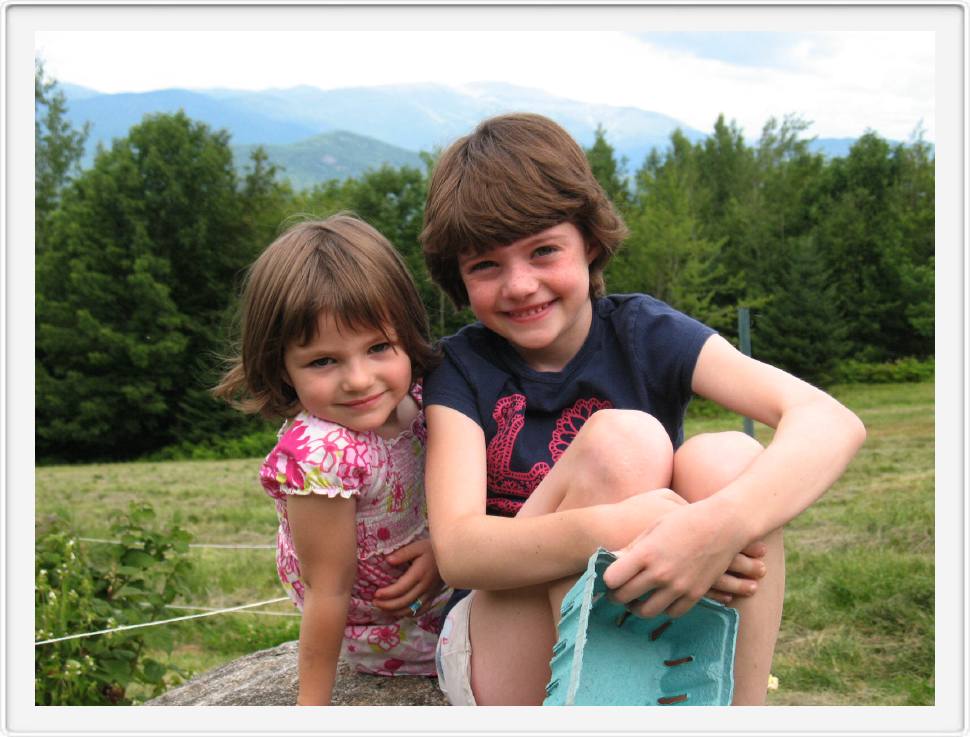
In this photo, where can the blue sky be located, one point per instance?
(754, 49)
(844, 82)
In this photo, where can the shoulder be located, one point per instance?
(466, 355)
(631, 306)
(314, 455)
(470, 370)
(663, 341)
(637, 314)
(471, 340)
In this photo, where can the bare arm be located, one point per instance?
(475, 550)
(815, 439)
(325, 538)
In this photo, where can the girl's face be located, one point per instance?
(353, 378)
(535, 294)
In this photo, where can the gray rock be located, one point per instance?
(269, 678)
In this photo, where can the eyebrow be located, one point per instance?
(527, 242)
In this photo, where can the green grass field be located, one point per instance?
(858, 623)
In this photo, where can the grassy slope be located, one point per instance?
(858, 621)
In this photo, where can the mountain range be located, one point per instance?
(321, 134)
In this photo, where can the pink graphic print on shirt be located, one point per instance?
(509, 415)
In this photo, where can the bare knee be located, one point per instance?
(624, 452)
(708, 462)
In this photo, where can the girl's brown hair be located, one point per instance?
(515, 175)
(341, 266)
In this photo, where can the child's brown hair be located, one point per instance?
(341, 266)
(513, 176)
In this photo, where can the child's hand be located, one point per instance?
(680, 558)
(739, 579)
(419, 582)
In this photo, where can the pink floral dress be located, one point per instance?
(314, 456)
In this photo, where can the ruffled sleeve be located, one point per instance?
(313, 456)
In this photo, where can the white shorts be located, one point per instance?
(453, 655)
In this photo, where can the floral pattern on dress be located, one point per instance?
(314, 456)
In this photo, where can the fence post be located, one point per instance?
(744, 336)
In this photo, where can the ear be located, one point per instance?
(593, 250)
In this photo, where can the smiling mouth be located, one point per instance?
(366, 401)
(529, 312)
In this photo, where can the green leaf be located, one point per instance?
(138, 559)
(117, 670)
(153, 671)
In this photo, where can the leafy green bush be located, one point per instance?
(700, 407)
(900, 371)
(252, 445)
(80, 590)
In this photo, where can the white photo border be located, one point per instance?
(948, 20)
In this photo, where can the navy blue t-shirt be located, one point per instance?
(640, 354)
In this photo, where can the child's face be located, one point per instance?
(353, 378)
(535, 294)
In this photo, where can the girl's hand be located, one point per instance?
(419, 581)
(679, 559)
(740, 578)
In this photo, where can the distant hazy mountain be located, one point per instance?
(423, 116)
(334, 155)
(113, 115)
(401, 120)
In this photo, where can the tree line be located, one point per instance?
(139, 259)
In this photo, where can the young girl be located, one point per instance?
(335, 339)
(556, 426)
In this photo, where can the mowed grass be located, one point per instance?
(858, 621)
(858, 627)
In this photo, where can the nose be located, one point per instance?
(520, 282)
(356, 377)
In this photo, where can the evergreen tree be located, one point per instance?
(669, 253)
(915, 201)
(58, 149)
(862, 241)
(133, 291)
(666, 255)
(801, 329)
(606, 169)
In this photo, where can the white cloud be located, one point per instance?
(844, 82)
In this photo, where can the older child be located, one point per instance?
(335, 339)
(556, 426)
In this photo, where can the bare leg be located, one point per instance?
(702, 466)
(617, 454)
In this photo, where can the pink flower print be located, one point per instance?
(289, 568)
(294, 441)
(351, 649)
(354, 465)
(293, 448)
(383, 534)
(385, 638)
(392, 664)
(430, 622)
(366, 542)
(397, 497)
(329, 448)
(354, 631)
(339, 452)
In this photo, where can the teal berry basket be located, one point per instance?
(606, 656)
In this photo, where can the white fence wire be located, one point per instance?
(205, 611)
